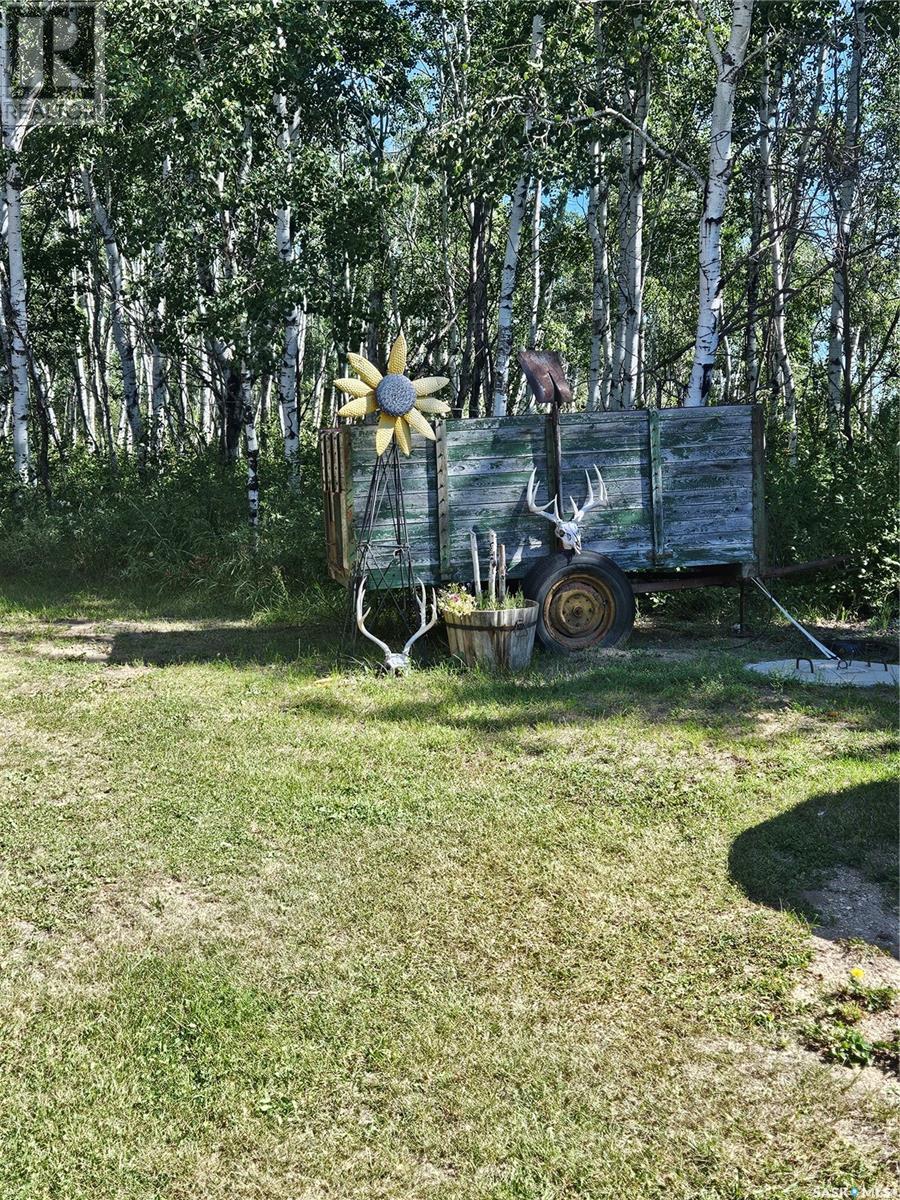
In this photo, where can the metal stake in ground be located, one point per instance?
(383, 557)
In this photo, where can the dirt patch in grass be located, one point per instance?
(852, 906)
(163, 912)
(857, 943)
(868, 1103)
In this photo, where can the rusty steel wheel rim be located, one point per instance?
(579, 610)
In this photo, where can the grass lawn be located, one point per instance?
(274, 929)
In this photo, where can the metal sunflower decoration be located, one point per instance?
(399, 400)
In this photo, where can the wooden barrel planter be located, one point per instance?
(502, 639)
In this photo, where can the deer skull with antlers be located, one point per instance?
(394, 663)
(569, 532)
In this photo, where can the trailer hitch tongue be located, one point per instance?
(818, 645)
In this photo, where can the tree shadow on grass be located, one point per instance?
(241, 645)
(166, 644)
(709, 693)
(832, 860)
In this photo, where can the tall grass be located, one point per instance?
(180, 530)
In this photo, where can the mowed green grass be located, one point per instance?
(278, 930)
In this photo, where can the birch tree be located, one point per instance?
(287, 372)
(840, 345)
(728, 63)
(511, 255)
(630, 275)
(16, 119)
(120, 324)
(768, 108)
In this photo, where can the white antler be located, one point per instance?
(569, 532)
(397, 664)
(361, 620)
(424, 623)
(539, 510)
(601, 500)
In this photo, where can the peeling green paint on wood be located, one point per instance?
(685, 488)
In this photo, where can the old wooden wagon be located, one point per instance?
(685, 506)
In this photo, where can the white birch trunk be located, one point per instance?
(511, 256)
(295, 315)
(204, 393)
(838, 366)
(318, 396)
(84, 389)
(15, 126)
(600, 372)
(5, 403)
(618, 346)
(252, 444)
(287, 371)
(534, 313)
(158, 380)
(768, 108)
(601, 334)
(120, 330)
(632, 275)
(19, 320)
(728, 65)
(507, 288)
(159, 388)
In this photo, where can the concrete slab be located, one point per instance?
(831, 674)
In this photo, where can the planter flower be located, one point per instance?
(484, 631)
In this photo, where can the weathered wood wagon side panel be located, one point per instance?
(685, 489)
(419, 491)
(706, 507)
(333, 452)
(619, 444)
(488, 463)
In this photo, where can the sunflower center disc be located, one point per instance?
(395, 395)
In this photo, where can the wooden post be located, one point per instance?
(556, 446)
(501, 574)
(492, 568)
(660, 551)
(743, 624)
(476, 566)
(443, 496)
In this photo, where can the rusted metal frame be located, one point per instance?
(805, 568)
(641, 586)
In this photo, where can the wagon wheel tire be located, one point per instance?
(584, 601)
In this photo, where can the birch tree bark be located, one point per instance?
(601, 336)
(252, 443)
(159, 387)
(15, 122)
(630, 275)
(534, 311)
(294, 316)
(728, 67)
(768, 107)
(839, 344)
(287, 370)
(18, 319)
(511, 256)
(120, 328)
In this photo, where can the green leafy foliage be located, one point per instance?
(181, 529)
